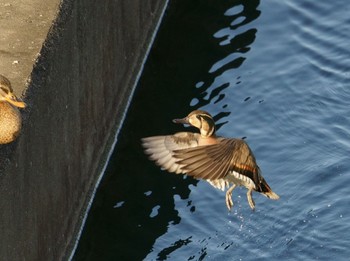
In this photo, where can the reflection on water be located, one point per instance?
(233, 41)
(275, 72)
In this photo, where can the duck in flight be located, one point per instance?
(223, 162)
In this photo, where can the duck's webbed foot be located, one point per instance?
(250, 199)
(229, 202)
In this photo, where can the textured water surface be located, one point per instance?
(274, 72)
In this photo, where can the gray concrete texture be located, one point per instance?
(86, 57)
(23, 28)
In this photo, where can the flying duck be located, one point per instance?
(220, 161)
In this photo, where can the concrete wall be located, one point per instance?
(77, 95)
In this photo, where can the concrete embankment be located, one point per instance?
(77, 95)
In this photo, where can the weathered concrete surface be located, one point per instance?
(24, 25)
(77, 95)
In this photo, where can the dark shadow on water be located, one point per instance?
(166, 251)
(134, 204)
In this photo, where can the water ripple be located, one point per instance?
(322, 32)
(278, 75)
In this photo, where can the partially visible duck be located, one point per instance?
(10, 117)
(220, 161)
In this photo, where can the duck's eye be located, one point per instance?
(4, 90)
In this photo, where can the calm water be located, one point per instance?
(275, 72)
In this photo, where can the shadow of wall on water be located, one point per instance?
(121, 224)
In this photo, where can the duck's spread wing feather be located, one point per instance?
(161, 149)
(213, 162)
(180, 153)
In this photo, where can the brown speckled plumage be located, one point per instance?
(220, 161)
(10, 117)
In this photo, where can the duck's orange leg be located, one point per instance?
(229, 202)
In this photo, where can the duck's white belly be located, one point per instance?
(233, 177)
(240, 180)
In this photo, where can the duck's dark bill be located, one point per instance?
(181, 121)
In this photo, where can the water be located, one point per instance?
(275, 72)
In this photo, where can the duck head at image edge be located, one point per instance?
(10, 116)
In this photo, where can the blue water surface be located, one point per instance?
(274, 72)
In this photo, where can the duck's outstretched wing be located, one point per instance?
(161, 149)
(215, 162)
(180, 153)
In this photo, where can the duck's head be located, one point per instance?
(7, 95)
(201, 120)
